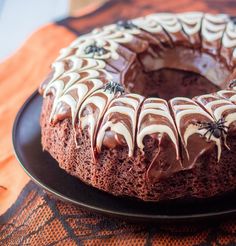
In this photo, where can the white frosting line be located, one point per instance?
(119, 128)
(120, 109)
(191, 22)
(119, 106)
(148, 25)
(219, 18)
(191, 128)
(158, 110)
(223, 94)
(218, 113)
(155, 112)
(129, 101)
(151, 129)
(213, 26)
(101, 102)
(168, 21)
(230, 118)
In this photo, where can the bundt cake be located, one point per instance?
(146, 108)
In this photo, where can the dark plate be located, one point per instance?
(43, 169)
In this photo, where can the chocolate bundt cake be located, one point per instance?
(146, 108)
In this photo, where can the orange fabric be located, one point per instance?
(20, 75)
(38, 219)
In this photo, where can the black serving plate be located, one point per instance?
(43, 169)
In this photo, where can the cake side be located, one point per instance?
(128, 144)
(120, 175)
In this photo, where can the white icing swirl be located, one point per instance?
(83, 84)
(185, 107)
(219, 108)
(119, 35)
(155, 118)
(148, 24)
(234, 55)
(92, 112)
(120, 118)
(168, 21)
(82, 91)
(108, 38)
(229, 37)
(191, 22)
(77, 65)
(213, 26)
(228, 94)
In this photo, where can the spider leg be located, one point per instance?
(219, 120)
(222, 121)
(204, 126)
(105, 87)
(211, 132)
(117, 88)
(227, 127)
(224, 131)
(223, 127)
(108, 87)
(204, 135)
(113, 88)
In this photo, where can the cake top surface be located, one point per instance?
(93, 83)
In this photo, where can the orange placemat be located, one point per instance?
(28, 216)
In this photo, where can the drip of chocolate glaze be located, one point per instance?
(163, 164)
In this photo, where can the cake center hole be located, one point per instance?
(178, 72)
(167, 83)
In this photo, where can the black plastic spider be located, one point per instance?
(95, 49)
(232, 83)
(114, 87)
(126, 24)
(216, 129)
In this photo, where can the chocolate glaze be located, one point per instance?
(226, 54)
(160, 38)
(195, 146)
(163, 164)
(118, 123)
(145, 53)
(189, 60)
(191, 24)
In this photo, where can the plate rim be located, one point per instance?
(124, 215)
